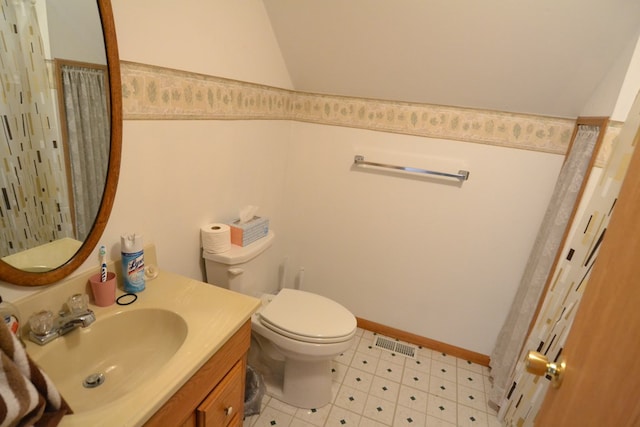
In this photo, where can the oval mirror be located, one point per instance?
(51, 214)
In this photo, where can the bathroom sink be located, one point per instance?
(115, 355)
(147, 350)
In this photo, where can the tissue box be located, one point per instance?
(252, 230)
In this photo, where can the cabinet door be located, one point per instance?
(222, 404)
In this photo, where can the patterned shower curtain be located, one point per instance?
(34, 204)
(526, 392)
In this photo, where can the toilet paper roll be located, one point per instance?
(216, 238)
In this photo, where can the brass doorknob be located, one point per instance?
(538, 364)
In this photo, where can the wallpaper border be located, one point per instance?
(157, 93)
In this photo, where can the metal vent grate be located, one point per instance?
(394, 346)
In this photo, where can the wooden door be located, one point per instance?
(601, 386)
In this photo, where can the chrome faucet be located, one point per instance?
(45, 328)
(69, 321)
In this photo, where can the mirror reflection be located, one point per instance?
(55, 139)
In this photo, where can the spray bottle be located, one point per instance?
(132, 263)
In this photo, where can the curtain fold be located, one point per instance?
(556, 220)
(88, 139)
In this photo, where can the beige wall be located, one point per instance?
(435, 260)
(179, 175)
(222, 38)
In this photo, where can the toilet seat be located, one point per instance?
(308, 317)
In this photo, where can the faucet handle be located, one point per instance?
(78, 303)
(41, 323)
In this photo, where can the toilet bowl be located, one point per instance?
(295, 334)
(306, 331)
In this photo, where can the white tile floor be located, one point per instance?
(373, 387)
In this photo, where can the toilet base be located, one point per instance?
(302, 384)
(307, 384)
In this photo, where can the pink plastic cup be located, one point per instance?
(104, 293)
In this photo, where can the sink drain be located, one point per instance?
(93, 380)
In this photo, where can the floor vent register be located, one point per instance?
(393, 346)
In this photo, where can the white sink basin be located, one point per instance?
(126, 348)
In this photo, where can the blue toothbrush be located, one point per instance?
(103, 264)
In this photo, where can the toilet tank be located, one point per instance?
(241, 269)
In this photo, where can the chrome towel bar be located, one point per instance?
(462, 175)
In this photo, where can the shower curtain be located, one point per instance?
(556, 220)
(88, 139)
(34, 198)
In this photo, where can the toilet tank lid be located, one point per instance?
(240, 254)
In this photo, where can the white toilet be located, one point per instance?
(296, 334)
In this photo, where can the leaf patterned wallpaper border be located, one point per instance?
(156, 93)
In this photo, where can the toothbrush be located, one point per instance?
(103, 264)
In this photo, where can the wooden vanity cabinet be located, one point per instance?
(214, 396)
(221, 408)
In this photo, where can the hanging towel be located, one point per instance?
(27, 395)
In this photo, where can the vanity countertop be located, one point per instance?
(212, 315)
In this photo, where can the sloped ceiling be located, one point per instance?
(542, 57)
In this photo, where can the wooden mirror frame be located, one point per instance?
(16, 276)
